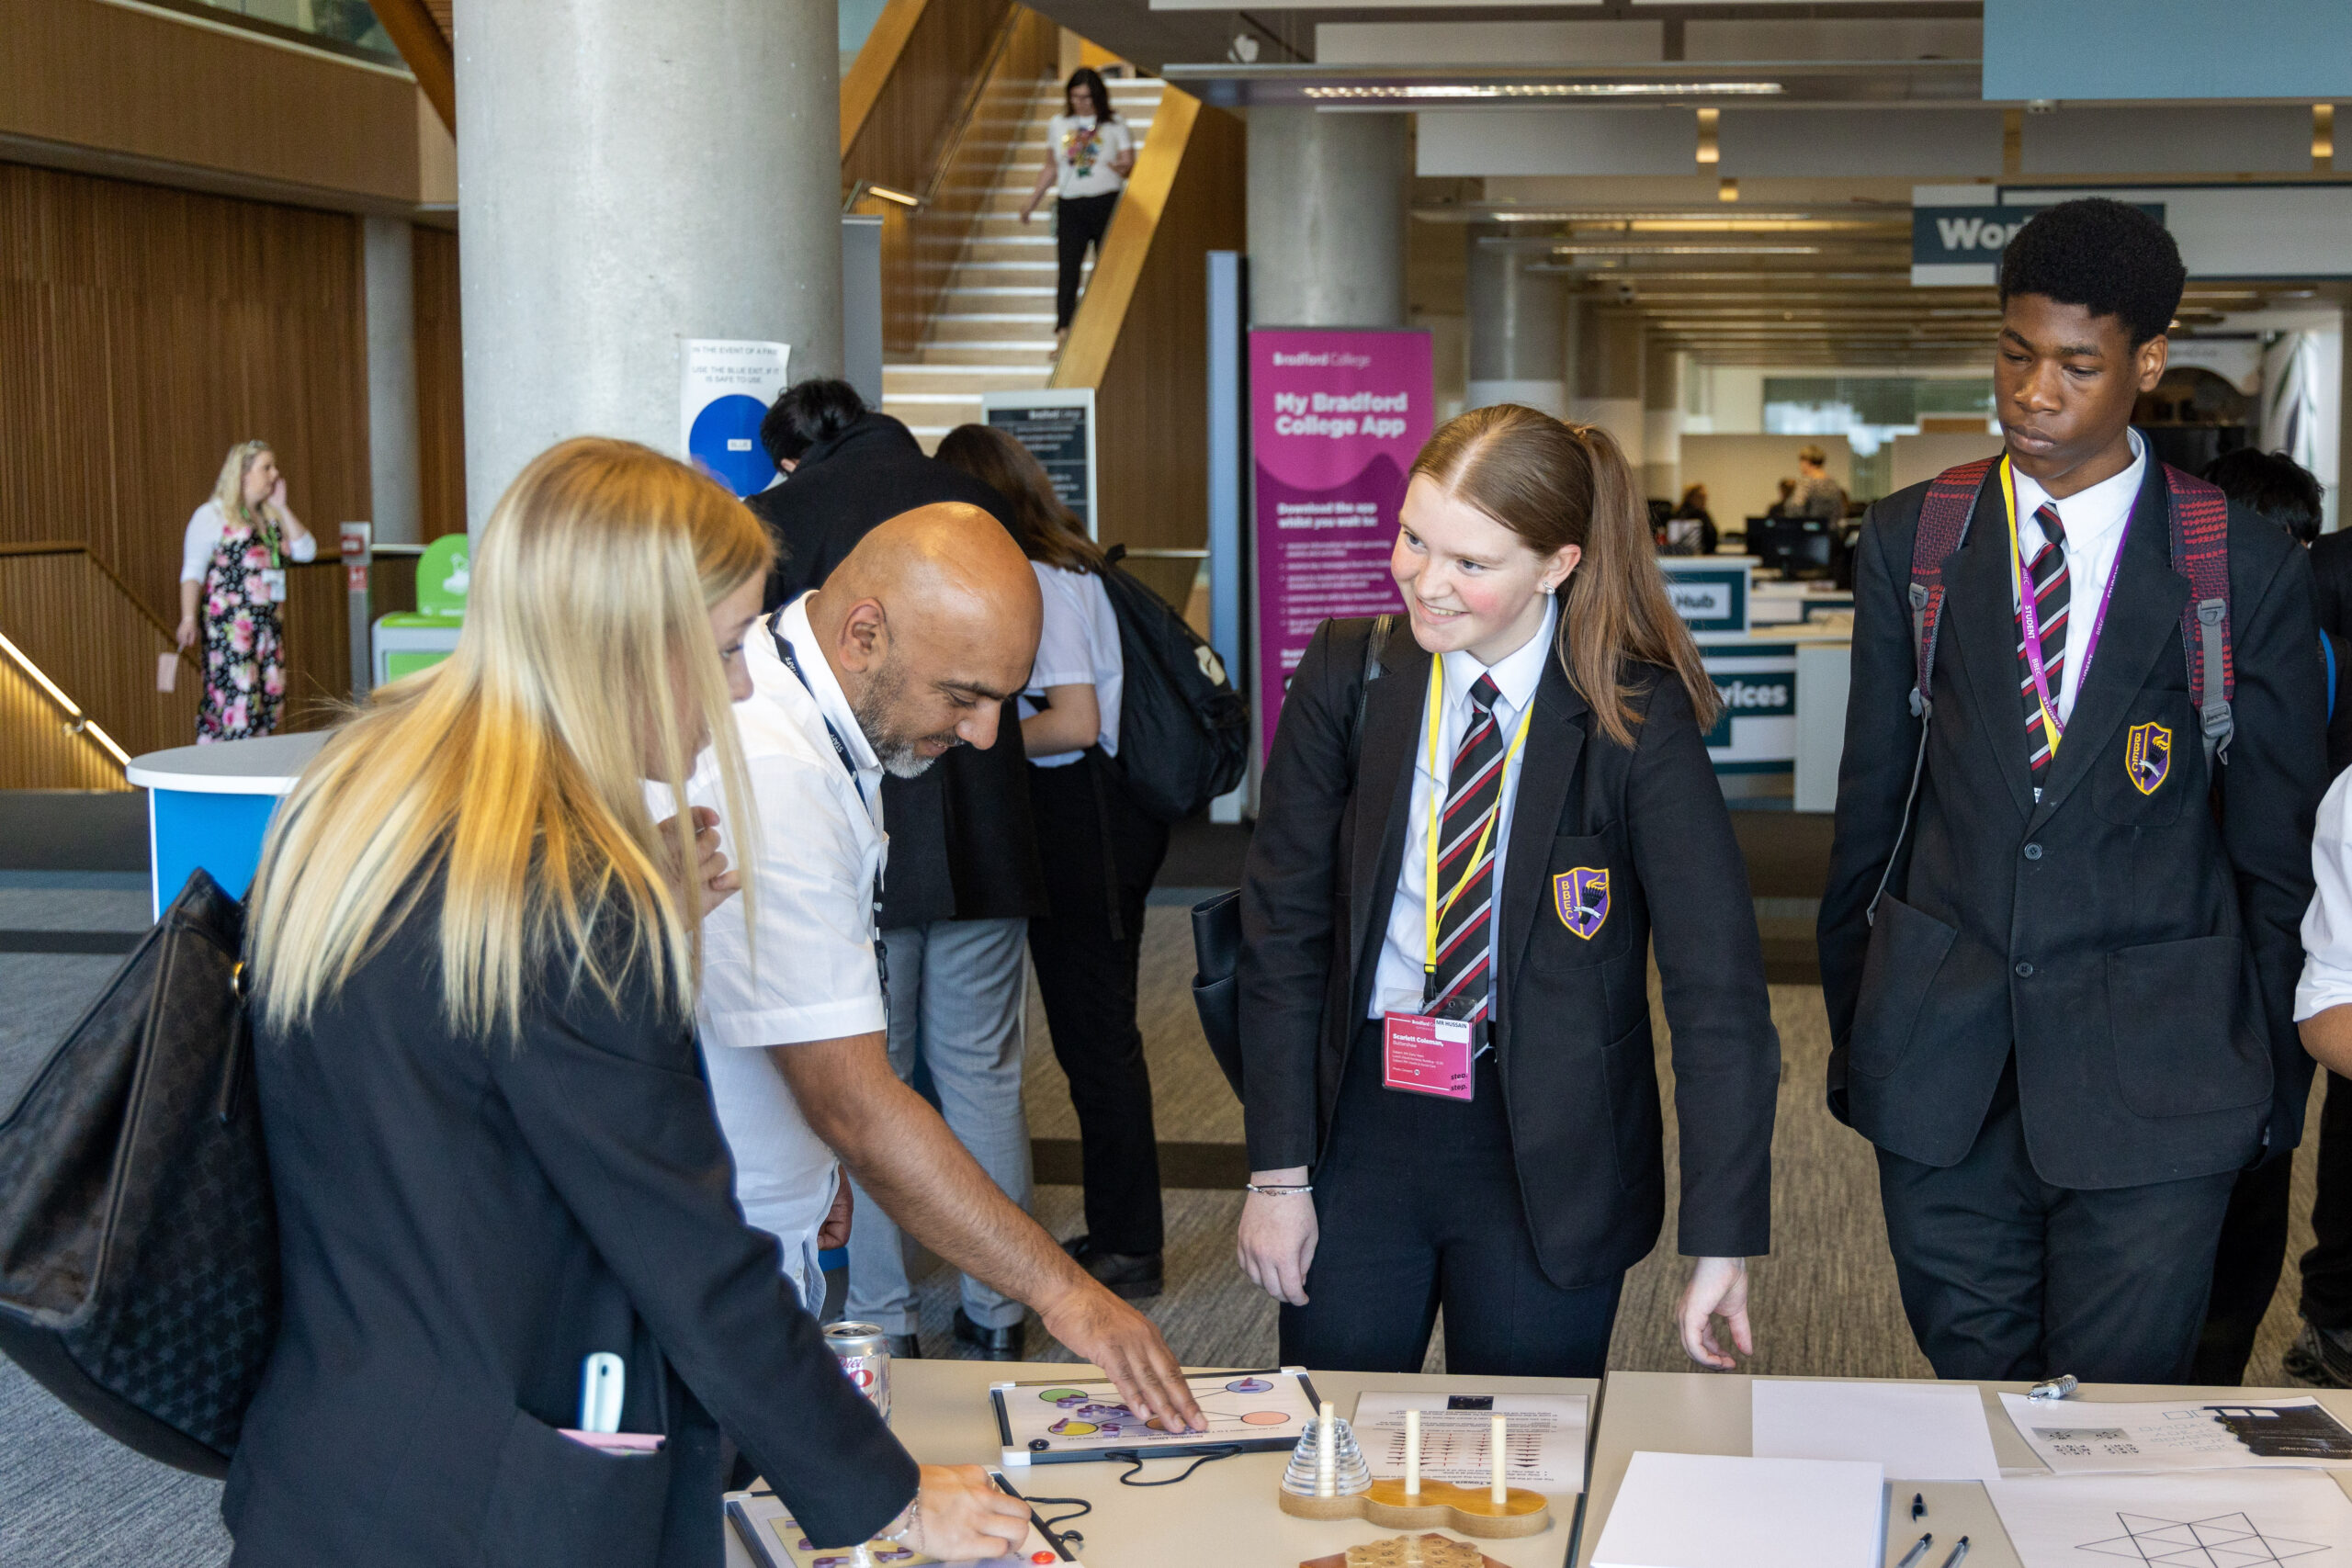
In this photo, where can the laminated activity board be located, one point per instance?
(768, 1531)
(1055, 1423)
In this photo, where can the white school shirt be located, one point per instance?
(1396, 980)
(1083, 148)
(822, 849)
(2094, 521)
(1078, 645)
(2327, 925)
(204, 530)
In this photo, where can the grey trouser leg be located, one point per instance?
(958, 991)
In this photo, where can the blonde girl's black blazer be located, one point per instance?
(1572, 1024)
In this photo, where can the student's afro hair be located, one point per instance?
(2111, 259)
(2272, 484)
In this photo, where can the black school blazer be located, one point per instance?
(460, 1223)
(2135, 944)
(1571, 1015)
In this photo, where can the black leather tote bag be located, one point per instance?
(139, 1279)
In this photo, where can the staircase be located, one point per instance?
(994, 331)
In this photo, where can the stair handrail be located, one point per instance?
(77, 547)
(952, 142)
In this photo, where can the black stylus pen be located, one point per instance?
(1918, 1551)
(1919, 1504)
(1958, 1552)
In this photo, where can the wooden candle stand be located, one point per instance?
(1441, 1505)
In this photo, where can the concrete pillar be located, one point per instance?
(1609, 375)
(1327, 219)
(630, 176)
(1517, 342)
(1662, 421)
(394, 500)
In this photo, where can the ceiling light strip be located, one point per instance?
(1485, 90)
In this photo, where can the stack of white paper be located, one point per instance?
(1914, 1431)
(1718, 1511)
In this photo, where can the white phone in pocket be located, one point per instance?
(602, 1380)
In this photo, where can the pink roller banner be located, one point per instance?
(1336, 420)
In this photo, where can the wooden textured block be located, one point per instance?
(1441, 1504)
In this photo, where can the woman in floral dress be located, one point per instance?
(233, 568)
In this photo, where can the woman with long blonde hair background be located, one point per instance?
(233, 579)
(493, 1150)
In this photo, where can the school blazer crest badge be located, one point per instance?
(2147, 756)
(1580, 897)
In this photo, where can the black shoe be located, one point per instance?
(905, 1347)
(993, 1344)
(1132, 1274)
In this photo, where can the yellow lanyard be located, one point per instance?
(1432, 909)
(2050, 726)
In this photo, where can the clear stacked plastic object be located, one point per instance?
(1350, 1474)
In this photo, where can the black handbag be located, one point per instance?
(139, 1272)
(1216, 923)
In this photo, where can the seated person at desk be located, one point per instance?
(908, 650)
(1693, 509)
(492, 1152)
(1445, 1022)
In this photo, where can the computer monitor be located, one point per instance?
(1794, 547)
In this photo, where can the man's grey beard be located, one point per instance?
(896, 752)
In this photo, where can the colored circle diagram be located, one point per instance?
(725, 440)
(1248, 1385)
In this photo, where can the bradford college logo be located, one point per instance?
(2147, 756)
(1581, 897)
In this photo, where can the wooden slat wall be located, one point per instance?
(145, 331)
(86, 634)
(37, 750)
(911, 81)
(440, 385)
(86, 74)
(1140, 337)
(920, 248)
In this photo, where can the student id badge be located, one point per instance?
(1430, 1053)
(269, 585)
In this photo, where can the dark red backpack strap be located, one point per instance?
(2201, 552)
(1943, 523)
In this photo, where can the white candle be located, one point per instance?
(1412, 1453)
(1495, 1444)
(1327, 1455)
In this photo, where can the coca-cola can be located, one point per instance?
(863, 1351)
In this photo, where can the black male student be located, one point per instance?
(2059, 944)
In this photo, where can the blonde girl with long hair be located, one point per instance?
(233, 558)
(474, 960)
(1459, 872)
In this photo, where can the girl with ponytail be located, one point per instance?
(1477, 819)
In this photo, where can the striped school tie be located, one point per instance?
(1465, 943)
(2047, 574)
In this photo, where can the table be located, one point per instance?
(1225, 1515)
(1708, 1412)
(210, 806)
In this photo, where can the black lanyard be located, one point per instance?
(840, 750)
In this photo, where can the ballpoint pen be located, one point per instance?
(1919, 1504)
(1959, 1551)
(1917, 1551)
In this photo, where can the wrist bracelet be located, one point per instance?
(909, 1523)
(1282, 1190)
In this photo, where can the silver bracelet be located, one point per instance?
(1282, 1190)
(911, 1524)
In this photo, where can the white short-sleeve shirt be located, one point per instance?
(2327, 924)
(1083, 148)
(1078, 645)
(203, 532)
(812, 973)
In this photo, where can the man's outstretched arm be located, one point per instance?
(925, 1179)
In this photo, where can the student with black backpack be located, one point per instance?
(1101, 848)
(2059, 942)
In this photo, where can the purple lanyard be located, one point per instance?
(2025, 608)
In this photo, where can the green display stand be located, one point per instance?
(406, 644)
